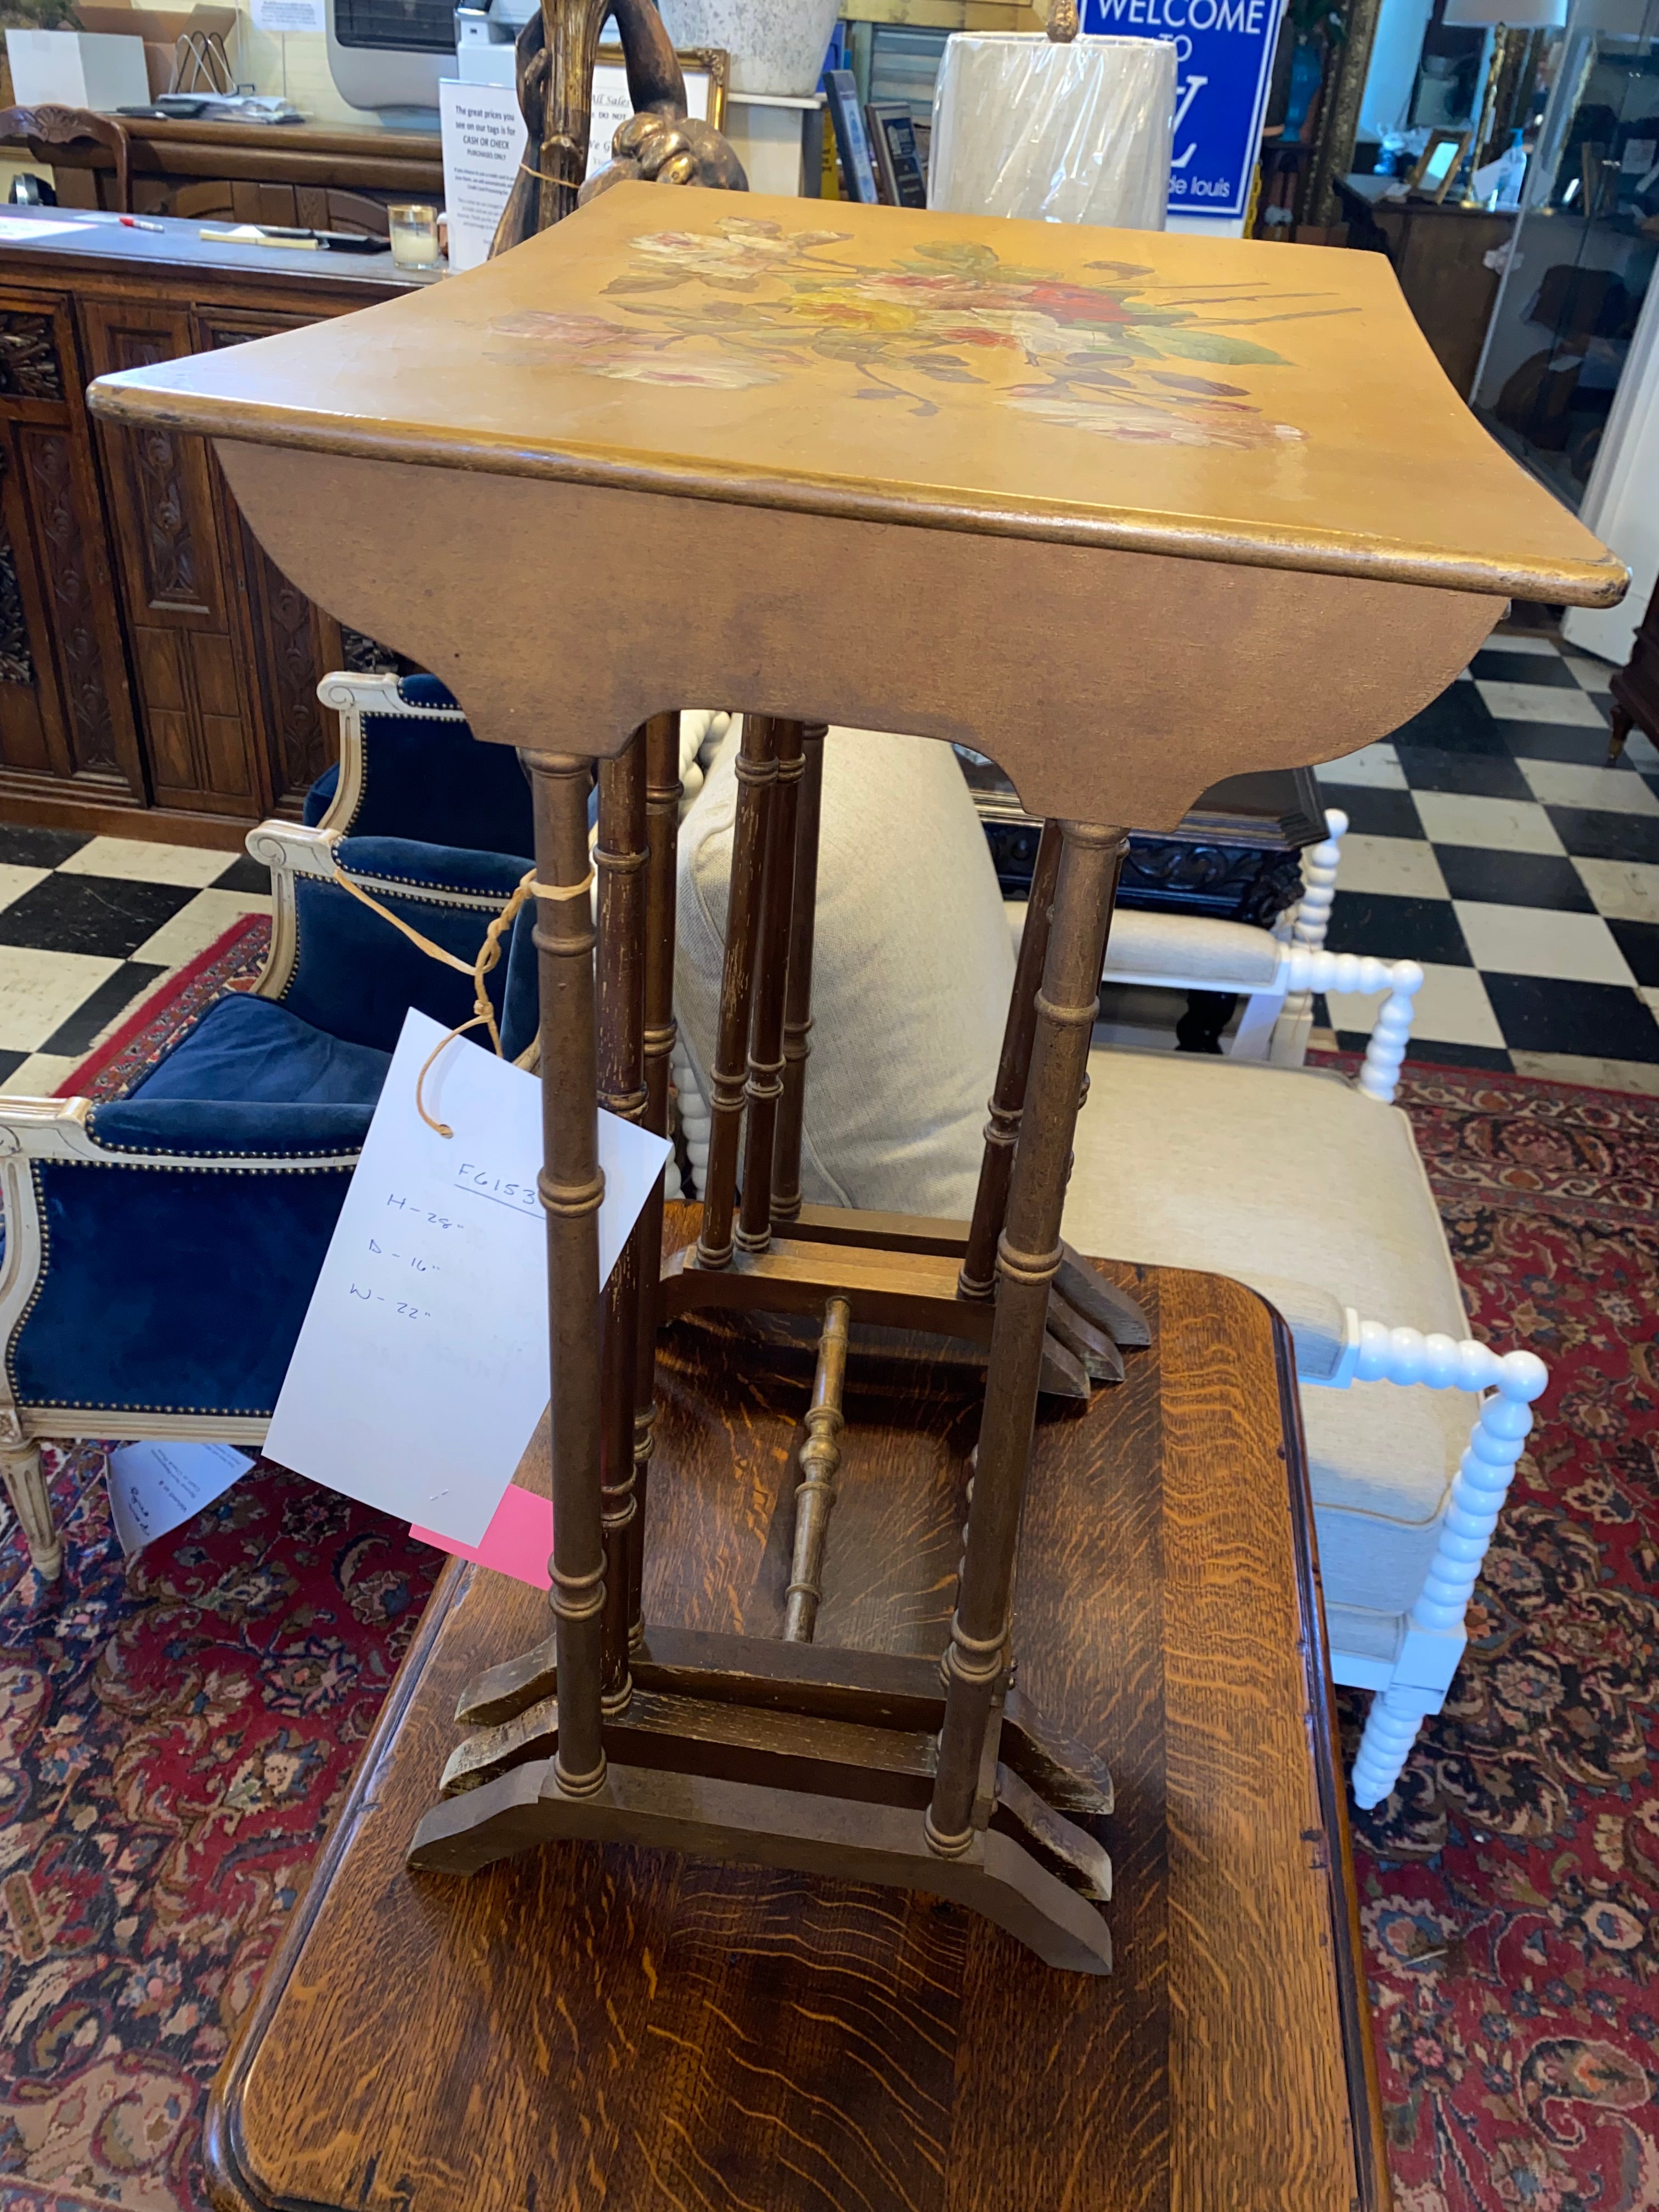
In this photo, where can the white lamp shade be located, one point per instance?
(1057, 133)
(1515, 14)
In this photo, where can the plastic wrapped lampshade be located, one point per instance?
(1057, 133)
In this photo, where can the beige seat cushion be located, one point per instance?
(912, 970)
(1190, 948)
(1281, 1177)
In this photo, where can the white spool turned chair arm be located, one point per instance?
(1509, 1383)
(1309, 920)
(1310, 970)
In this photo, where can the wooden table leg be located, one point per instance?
(619, 858)
(978, 1278)
(663, 793)
(756, 773)
(571, 1189)
(797, 995)
(1028, 1259)
(764, 1087)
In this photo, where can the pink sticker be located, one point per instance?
(516, 1542)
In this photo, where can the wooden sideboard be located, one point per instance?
(280, 173)
(158, 674)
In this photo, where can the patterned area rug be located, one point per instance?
(1510, 1889)
(173, 1739)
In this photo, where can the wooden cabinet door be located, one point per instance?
(65, 713)
(291, 643)
(197, 706)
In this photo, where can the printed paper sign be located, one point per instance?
(289, 16)
(156, 1488)
(483, 144)
(420, 1370)
(1224, 63)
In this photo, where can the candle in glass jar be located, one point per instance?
(414, 236)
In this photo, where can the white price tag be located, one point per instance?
(420, 1370)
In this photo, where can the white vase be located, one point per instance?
(775, 46)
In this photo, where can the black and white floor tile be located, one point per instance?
(89, 926)
(1489, 840)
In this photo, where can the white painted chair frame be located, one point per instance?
(1277, 1019)
(1406, 1689)
(35, 1129)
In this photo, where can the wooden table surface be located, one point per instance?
(584, 2026)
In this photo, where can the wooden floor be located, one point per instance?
(587, 2027)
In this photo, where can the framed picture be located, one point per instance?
(841, 89)
(900, 176)
(707, 71)
(1438, 163)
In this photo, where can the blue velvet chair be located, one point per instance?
(161, 1249)
(410, 767)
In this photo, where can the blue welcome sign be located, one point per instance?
(1224, 60)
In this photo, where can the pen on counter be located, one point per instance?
(137, 222)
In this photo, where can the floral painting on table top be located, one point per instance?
(1126, 355)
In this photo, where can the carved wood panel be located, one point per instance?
(29, 365)
(295, 644)
(190, 655)
(48, 466)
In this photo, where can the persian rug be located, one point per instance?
(175, 1737)
(229, 964)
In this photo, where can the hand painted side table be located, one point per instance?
(1125, 513)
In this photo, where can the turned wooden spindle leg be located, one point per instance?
(764, 1087)
(978, 1276)
(756, 772)
(25, 1482)
(1028, 1259)
(662, 804)
(571, 1189)
(820, 1457)
(619, 858)
(797, 994)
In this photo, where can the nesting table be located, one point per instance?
(1007, 1721)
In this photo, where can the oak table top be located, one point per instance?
(592, 2025)
(1024, 471)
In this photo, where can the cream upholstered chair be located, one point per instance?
(1298, 1182)
(1198, 952)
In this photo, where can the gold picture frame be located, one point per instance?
(1431, 178)
(712, 62)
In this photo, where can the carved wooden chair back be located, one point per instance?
(47, 127)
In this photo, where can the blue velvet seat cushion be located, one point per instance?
(250, 1051)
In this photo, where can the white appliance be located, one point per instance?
(388, 55)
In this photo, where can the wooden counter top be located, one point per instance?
(82, 241)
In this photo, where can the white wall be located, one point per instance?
(257, 58)
(1621, 501)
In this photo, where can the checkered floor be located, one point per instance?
(90, 926)
(1489, 840)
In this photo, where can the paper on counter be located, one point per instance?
(421, 1369)
(156, 1488)
(14, 228)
